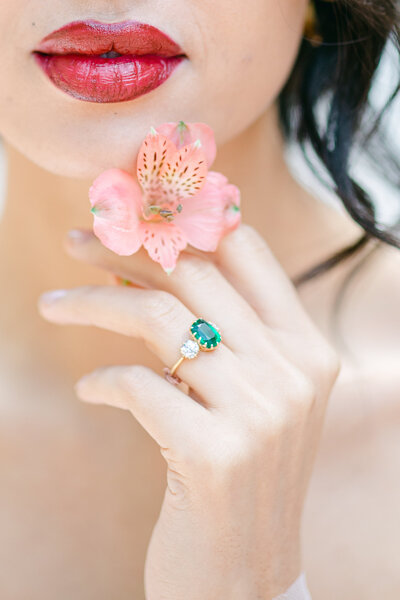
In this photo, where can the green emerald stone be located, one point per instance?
(205, 333)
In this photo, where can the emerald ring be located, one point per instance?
(204, 336)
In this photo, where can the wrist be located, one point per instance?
(268, 581)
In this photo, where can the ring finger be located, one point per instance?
(155, 316)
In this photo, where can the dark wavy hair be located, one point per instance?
(340, 71)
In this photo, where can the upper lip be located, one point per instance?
(94, 37)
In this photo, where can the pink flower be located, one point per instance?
(174, 201)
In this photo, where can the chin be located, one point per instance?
(88, 146)
(87, 167)
(89, 162)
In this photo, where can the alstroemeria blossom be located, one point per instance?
(173, 201)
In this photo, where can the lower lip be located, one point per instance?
(96, 79)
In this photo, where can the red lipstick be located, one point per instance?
(108, 62)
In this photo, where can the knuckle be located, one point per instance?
(160, 305)
(249, 236)
(93, 298)
(333, 363)
(87, 303)
(301, 390)
(271, 423)
(327, 362)
(84, 296)
(305, 387)
(135, 377)
(194, 269)
(260, 415)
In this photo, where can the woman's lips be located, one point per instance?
(108, 62)
(97, 79)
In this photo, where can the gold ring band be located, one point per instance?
(176, 365)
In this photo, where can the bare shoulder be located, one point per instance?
(364, 326)
(371, 310)
(384, 267)
(368, 323)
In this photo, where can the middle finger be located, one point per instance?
(196, 281)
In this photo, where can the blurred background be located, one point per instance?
(386, 195)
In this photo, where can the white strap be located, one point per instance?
(297, 591)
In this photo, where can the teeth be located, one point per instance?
(111, 54)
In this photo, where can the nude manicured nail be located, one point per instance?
(79, 235)
(52, 296)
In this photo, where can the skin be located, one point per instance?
(211, 443)
(90, 481)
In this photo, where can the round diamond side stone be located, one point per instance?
(190, 349)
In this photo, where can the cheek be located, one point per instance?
(249, 57)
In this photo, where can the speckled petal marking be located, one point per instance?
(184, 175)
(163, 242)
(155, 151)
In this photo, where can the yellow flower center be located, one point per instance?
(155, 212)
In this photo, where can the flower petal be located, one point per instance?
(182, 133)
(116, 204)
(231, 197)
(185, 174)
(208, 216)
(232, 212)
(217, 179)
(155, 150)
(163, 241)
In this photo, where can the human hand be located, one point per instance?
(241, 446)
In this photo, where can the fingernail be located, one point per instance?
(79, 387)
(79, 235)
(52, 296)
(83, 390)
